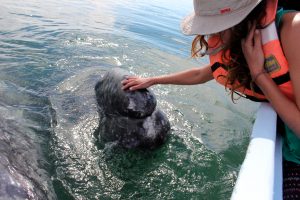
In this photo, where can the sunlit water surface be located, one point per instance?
(52, 53)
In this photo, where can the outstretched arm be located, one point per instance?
(188, 77)
(287, 109)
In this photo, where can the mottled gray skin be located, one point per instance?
(20, 174)
(129, 118)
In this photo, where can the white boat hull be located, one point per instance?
(260, 176)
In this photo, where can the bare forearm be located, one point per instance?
(285, 108)
(188, 77)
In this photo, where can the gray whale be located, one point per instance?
(22, 173)
(129, 118)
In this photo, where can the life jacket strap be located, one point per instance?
(279, 80)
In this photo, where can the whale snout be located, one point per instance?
(129, 118)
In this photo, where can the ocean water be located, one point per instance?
(52, 53)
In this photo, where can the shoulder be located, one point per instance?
(289, 35)
(291, 20)
(290, 26)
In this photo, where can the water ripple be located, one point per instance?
(52, 53)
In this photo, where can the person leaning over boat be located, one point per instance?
(229, 32)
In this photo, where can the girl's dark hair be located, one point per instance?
(237, 67)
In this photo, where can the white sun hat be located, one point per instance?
(212, 16)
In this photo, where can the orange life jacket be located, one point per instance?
(275, 62)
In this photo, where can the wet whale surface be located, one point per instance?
(24, 164)
(129, 118)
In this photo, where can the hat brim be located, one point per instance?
(204, 25)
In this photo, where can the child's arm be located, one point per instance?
(188, 77)
(288, 110)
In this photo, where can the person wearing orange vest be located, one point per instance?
(247, 57)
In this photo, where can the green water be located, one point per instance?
(52, 55)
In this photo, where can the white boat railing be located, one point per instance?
(260, 176)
